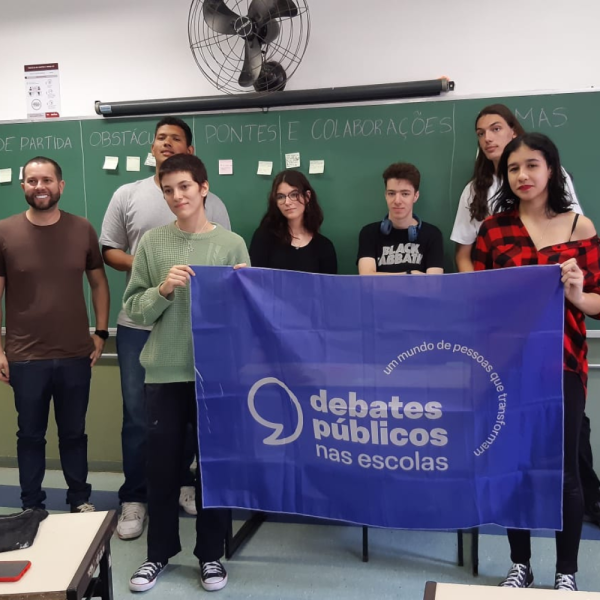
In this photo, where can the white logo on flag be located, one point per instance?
(274, 438)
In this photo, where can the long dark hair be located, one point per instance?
(276, 223)
(559, 200)
(483, 174)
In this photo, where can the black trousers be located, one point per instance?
(589, 480)
(567, 540)
(171, 408)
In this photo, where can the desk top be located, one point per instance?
(452, 591)
(59, 549)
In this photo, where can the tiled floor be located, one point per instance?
(309, 561)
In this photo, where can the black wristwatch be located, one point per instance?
(102, 334)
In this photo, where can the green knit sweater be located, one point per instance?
(168, 356)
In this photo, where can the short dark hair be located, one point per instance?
(558, 198)
(47, 161)
(176, 122)
(403, 171)
(184, 163)
(276, 223)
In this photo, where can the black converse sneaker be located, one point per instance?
(214, 575)
(565, 582)
(519, 576)
(146, 575)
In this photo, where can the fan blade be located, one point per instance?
(218, 17)
(269, 32)
(262, 11)
(253, 61)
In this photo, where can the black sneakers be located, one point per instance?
(519, 576)
(565, 582)
(214, 576)
(146, 575)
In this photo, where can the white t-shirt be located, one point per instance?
(138, 207)
(465, 229)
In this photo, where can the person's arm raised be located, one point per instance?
(145, 300)
(178, 276)
(573, 279)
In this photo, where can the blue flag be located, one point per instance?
(418, 402)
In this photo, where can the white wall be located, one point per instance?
(115, 50)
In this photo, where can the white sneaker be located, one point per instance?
(187, 499)
(83, 508)
(132, 520)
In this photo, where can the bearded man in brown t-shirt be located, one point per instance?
(48, 351)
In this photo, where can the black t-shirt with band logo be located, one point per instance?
(393, 253)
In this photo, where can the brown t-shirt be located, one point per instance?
(43, 267)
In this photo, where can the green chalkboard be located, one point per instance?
(356, 143)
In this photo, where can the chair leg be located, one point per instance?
(475, 550)
(365, 540)
(461, 552)
(247, 530)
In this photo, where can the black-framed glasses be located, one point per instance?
(294, 196)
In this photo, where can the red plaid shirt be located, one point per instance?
(503, 241)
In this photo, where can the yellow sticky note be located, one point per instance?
(110, 163)
(265, 167)
(150, 160)
(5, 175)
(316, 166)
(133, 163)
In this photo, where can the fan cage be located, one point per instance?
(220, 57)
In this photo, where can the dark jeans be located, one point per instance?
(171, 410)
(589, 479)
(567, 540)
(35, 383)
(130, 343)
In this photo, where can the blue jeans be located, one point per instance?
(35, 383)
(130, 343)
